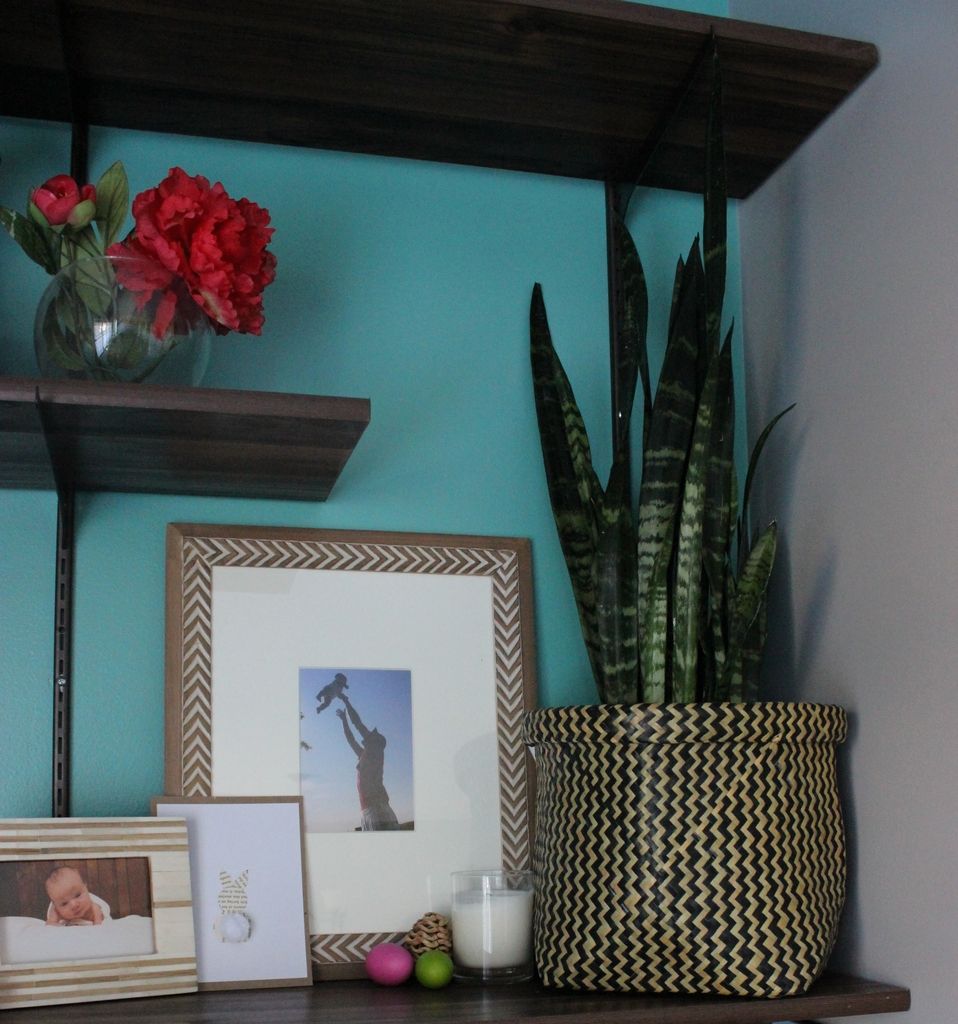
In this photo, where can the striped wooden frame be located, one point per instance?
(193, 551)
(171, 969)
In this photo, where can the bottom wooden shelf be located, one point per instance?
(359, 1002)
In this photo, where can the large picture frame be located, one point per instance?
(249, 889)
(134, 880)
(259, 617)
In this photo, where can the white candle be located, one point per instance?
(492, 929)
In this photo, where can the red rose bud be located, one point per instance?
(57, 201)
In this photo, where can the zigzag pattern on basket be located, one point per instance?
(761, 722)
(202, 554)
(683, 866)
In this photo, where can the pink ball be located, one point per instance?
(389, 963)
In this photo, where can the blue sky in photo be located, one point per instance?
(383, 699)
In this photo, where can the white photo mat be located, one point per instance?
(246, 858)
(248, 607)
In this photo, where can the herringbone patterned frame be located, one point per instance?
(193, 551)
(687, 848)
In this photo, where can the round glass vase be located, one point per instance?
(89, 326)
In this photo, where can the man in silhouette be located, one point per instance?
(378, 816)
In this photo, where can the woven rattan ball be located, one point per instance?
(431, 931)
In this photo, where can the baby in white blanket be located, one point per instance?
(71, 902)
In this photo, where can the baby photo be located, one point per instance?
(71, 902)
(45, 905)
(356, 758)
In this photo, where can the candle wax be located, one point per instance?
(492, 929)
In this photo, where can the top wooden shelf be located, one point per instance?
(569, 87)
(359, 1002)
(143, 437)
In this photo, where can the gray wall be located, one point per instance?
(851, 310)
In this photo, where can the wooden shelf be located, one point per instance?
(570, 87)
(359, 1002)
(140, 437)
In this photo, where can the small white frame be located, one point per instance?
(260, 838)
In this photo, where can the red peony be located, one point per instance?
(196, 234)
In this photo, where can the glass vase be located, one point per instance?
(89, 326)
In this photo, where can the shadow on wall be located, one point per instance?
(793, 655)
(846, 945)
(792, 648)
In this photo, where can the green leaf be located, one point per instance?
(707, 680)
(750, 474)
(94, 282)
(716, 203)
(85, 245)
(617, 581)
(749, 597)
(61, 346)
(653, 616)
(720, 512)
(127, 350)
(729, 666)
(688, 593)
(41, 245)
(663, 473)
(574, 489)
(752, 647)
(632, 317)
(112, 203)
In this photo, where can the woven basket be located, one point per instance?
(690, 848)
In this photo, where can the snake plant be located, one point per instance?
(672, 597)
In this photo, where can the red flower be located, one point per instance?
(216, 245)
(147, 279)
(59, 198)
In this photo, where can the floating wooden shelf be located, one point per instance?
(135, 437)
(359, 1002)
(570, 87)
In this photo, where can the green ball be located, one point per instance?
(434, 969)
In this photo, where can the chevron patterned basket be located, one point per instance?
(689, 848)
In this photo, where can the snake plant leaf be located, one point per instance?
(714, 243)
(752, 648)
(41, 246)
(655, 655)
(676, 292)
(574, 489)
(750, 595)
(687, 609)
(663, 473)
(720, 507)
(663, 611)
(632, 318)
(729, 666)
(617, 585)
(707, 664)
(750, 474)
(112, 203)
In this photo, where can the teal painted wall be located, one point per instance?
(401, 281)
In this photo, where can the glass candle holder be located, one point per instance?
(492, 925)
